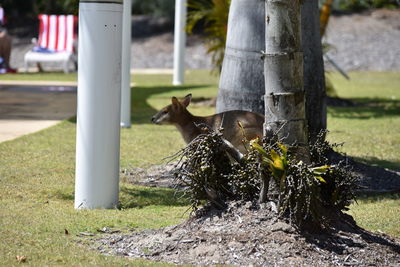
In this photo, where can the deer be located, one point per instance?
(235, 124)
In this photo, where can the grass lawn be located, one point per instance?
(37, 170)
(43, 76)
(371, 131)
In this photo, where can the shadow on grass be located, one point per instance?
(64, 195)
(139, 197)
(367, 108)
(72, 119)
(393, 165)
(378, 196)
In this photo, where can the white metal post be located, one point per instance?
(179, 42)
(126, 65)
(99, 104)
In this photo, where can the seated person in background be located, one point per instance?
(5, 49)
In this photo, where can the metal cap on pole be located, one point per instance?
(99, 101)
(179, 42)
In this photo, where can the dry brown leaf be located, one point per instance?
(21, 258)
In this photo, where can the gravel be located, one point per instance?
(364, 41)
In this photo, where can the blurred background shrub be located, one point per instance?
(212, 15)
(158, 8)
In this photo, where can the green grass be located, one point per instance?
(37, 171)
(378, 213)
(44, 76)
(370, 131)
(37, 176)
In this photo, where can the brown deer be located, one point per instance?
(190, 126)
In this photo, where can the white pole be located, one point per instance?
(126, 66)
(179, 42)
(99, 104)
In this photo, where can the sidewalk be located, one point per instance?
(11, 129)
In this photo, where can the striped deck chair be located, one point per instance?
(2, 17)
(56, 43)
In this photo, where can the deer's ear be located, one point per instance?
(175, 103)
(186, 100)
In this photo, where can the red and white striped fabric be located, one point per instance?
(2, 17)
(57, 32)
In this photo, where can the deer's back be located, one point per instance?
(252, 124)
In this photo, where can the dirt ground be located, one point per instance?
(247, 234)
(365, 41)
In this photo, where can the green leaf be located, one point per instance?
(321, 169)
(266, 161)
(277, 173)
(283, 149)
(277, 160)
(255, 145)
(320, 179)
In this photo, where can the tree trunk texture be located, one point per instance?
(241, 84)
(314, 75)
(283, 70)
(284, 93)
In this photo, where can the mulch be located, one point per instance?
(248, 234)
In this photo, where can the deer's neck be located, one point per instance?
(190, 125)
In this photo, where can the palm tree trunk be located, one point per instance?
(314, 74)
(241, 85)
(283, 70)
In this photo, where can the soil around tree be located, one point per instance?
(247, 234)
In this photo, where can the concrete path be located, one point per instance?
(11, 129)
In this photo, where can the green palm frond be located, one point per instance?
(214, 15)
